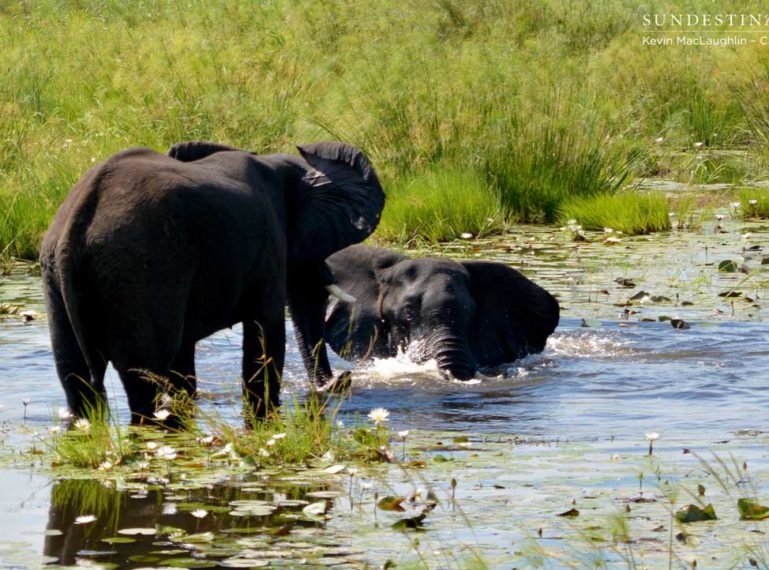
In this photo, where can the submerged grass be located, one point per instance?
(301, 433)
(629, 212)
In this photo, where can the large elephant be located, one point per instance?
(466, 315)
(150, 253)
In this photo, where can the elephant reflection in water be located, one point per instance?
(466, 315)
(120, 509)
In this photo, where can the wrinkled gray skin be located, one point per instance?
(150, 253)
(466, 315)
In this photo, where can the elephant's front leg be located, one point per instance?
(307, 299)
(264, 348)
(183, 378)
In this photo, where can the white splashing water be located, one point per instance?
(589, 343)
(402, 368)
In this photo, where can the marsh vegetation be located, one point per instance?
(525, 107)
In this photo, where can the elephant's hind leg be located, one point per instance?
(264, 348)
(142, 353)
(83, 387)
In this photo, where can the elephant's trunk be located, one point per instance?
(452, 353)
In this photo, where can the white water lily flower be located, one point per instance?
(698, 144)
(26, 401)
(152, 445)
(279, 436)
(659, 140)
(169, 509)
(608, 230)
(352, 471)
(83, 425)
(166, 452)
(199, 513)
(403, 434)
(378, 415)
(207, 440)
(162, 415)
(270, 442)
(719, 217)
(65, 414)
(653, 436)
(105, 466)
(85, 519)
(264, 453)
(339, 424)
(55, 429)
(143, 465)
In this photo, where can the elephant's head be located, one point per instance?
(465, 315)
(428, 308)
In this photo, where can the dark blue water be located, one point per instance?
(620, 379)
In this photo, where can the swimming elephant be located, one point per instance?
(466, 315)
(149, 253)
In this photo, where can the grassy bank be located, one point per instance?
(539, 102)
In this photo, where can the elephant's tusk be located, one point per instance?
(337, 292)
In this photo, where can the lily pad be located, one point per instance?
(118, 540)
(324, 494)
(315, 509)
(244, 563)
(391, 504)
(640, 295)
(138, 531)
(410, 523)
(728, 265)
(752, 511)
(190, 563)
(693, 513)
(730, 294)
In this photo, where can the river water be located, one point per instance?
(612, 369)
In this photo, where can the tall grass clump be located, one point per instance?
(92, 441)
(300, 433)
(754, 203)
(545, 161)
(439, 205)
(629, 212)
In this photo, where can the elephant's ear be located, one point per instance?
(356, 330)
(514, 316)
(342, 203)
(195, 150)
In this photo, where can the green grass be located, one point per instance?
(754, 203)
(440, 205)
(546, 101)
(545, 160)
(628, 212)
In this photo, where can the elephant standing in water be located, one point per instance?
(466, 315)
(150, 253)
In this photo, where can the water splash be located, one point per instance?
(590, 343)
